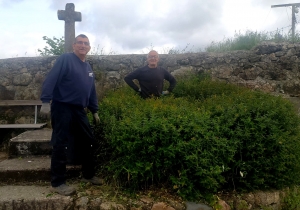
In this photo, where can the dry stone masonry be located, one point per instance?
(270, 67)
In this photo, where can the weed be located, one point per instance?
(49, 195)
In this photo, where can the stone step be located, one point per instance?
(30, 169)
(32, 142)
(32, 197)
(24, 197)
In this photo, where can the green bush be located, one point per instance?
(208, 136)
(157, 141)
(199, 87)
(264, 132)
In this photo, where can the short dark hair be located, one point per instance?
(80, 35)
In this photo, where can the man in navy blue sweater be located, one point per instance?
(70, 87)
(151, 78)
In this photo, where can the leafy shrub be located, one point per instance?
(265, 133)
(56, 46)
(199, 87)
(291, 200)
(157, 141)
(211, 136)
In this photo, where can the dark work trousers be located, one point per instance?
(72, 139)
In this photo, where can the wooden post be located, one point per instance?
(293, 21)
(69, 16)
(293, 14)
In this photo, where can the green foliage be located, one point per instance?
(200, 87)
(207, 137)
(264, 132)
(56, 46)
(150, 137)
(239, 42)
(291, 200)
(248, 40)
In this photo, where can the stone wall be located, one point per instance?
(270, 67)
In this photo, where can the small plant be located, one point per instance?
(56, 46)
(49, 195)
(291, 200)
(83, 185)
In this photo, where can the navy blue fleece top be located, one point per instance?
(151, 80)
(71, 81)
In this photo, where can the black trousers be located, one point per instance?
(72, 140)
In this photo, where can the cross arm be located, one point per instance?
(285, 5)
(61, 14)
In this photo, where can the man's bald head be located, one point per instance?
(152, 59)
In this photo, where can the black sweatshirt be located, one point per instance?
(151, 80)
(71, 81)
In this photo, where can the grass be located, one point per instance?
(249, 39)
(240, 41)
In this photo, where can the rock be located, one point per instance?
(224, 205)
(197, 206)
(111, 205)
(161, 206)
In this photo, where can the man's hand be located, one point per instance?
(96, 118)
(45, 111)
(165, 92)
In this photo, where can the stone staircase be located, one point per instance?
(25, 173)
(29, 157)
(25, 182)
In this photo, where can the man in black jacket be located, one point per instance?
(70, 85)
(151, 78)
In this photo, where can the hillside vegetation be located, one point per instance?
(249, 39)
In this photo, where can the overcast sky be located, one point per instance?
(135, 26)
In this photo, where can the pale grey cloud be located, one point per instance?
(134, 25)
(281, 16)
(9, 3)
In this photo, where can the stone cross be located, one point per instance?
(69, 16)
